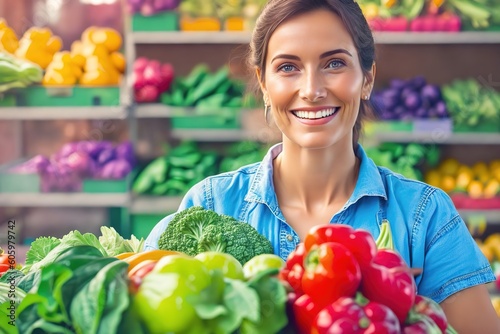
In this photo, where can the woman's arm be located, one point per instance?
(471, 311)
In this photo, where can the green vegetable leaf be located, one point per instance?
(7, 325)
(75, 238)
(272, 297)
(39, 249)
(115, 244)
(97, 308)
(241, 302)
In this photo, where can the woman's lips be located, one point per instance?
(315, 117)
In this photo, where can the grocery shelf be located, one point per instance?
(154, 204)
(56, 113)
(213, 135)
(471, 138)
(464, 37)
(64, 200)
(491, 216)
(224, 37)
(191, 37)
(159, 110)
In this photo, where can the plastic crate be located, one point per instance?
(7, 100)
(165, 21)
(209, 118)
(485, 127)
(73, 96)
(200, 24)
(105, 186)
(142, 224)
(11, 182)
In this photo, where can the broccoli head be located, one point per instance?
(201, 230)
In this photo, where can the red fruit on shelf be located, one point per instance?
(140, 64)
(148, 93)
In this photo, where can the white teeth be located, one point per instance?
(315, 114)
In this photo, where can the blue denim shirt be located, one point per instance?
(426, 228)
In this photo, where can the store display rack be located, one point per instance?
(131, 112)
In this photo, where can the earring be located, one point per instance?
(267, 108)
(366, 97)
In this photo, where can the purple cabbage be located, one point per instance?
(115, 169)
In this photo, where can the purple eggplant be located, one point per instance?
(413, 101)
(417, 82)
(441, 110)
(431, 93)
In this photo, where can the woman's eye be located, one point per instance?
(335, 64)
(287, 68)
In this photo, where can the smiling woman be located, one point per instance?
(315, 64)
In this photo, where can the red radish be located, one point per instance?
(148, 93)
(140, 64)
(396, 24)
(454, 23)
(138, 80)
(167, 76)
(152, 73)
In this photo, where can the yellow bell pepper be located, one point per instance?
(119, 61)
(8, 38)
(98, 77)
(38, 46)
(107, 37)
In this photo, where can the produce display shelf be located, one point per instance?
(213, 135)
(491, 216)
(160, 110)
(64, 200)
(56, 113)
(224, 37)
(439, 138)
(154, 204)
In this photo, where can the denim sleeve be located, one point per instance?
(195, 196)
(452, 261)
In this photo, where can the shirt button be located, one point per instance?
(289, 237)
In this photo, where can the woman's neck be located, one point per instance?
(315, 179)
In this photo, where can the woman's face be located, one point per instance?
(313, 80)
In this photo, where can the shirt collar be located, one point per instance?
(369, 182)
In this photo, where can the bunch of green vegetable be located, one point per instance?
(176, 172)
(17, 73)
(80, 291)
(196, 230)
(480, 14)
(242, 153)
(470, 104)
(205, 90)
(404, 159)
(45, 250)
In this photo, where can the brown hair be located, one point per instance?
(276, 12)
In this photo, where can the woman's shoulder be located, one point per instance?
(416, 191)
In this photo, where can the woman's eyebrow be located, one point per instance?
(323, 55)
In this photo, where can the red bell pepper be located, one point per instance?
(357, 316)
(389, 281)
(427, 306)
(421, 325)
(304, 313)
(359, 242)
(294, 269)
(331, 272)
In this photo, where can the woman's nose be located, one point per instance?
(312, 88)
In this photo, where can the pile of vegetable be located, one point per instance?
(405, 159)
(430, 15)
(196, 230)
(66, 169)
(17, 73)
(94, 60)
(38, 45)
(241, 154)
(343, 283)
(410, 99)
(203, 89)
(8, 38)
(479, 181)
(471, 104)
(177, 171)
(82, 283)
(150, 7)
(150, 79)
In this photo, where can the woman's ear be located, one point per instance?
(262, 85)
(369, 81)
